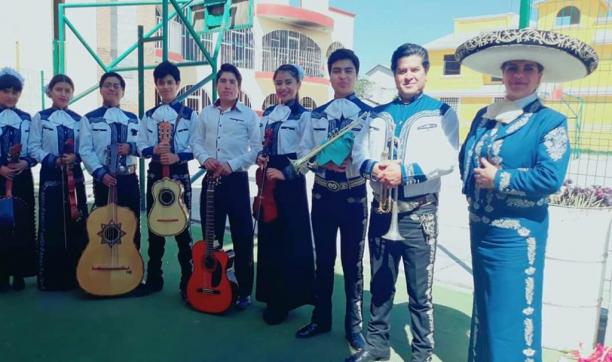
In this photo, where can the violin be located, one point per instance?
(264, 205)
(75, 214)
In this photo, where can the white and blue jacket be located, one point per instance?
(327, 120)
(101, 128)
(427, 130)
(49, 131)
(148, 136)
(14, 129)
(288, 124)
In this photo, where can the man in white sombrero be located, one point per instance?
(515, 155)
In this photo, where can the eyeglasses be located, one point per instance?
(111, 85)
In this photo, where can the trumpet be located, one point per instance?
(389, 153)
(302, 164)
(389, 195)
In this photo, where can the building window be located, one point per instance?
(451, 101)
(190, 49)
(308, 103)
(290, 47)
(193, 100)
(244, 98)
(451, 65)
(498, 99)
(205, 99)
(569, 15)
(237, 48)
(333, 47)
(270, 100)
(496, 79)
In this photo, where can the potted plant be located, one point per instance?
(600, 353)
(576, 263)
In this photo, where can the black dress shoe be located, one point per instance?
(273, 316)
(243, 302)
(4, 284)
(154, 285)
(356, 341)
(366, 356)
(311, 330)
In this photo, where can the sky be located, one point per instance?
(383, 25)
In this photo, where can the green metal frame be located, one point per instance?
(178, 9)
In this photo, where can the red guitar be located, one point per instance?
(75, 214)
(212, 287)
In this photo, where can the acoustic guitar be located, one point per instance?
(168, 216)
(12, 209)
(212, 287)
(110, 264)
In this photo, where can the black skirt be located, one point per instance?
(18, 245)
(285, 253)
(61, 239)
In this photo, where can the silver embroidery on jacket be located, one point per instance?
(556, 143)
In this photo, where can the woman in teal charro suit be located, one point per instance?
(515, 155)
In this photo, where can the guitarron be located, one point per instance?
(212, 287)
(168, 216)
(110, 264)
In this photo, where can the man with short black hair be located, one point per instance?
(419, 134)
(339, 202)
(110, 126)
(175, 155)
(226, 141)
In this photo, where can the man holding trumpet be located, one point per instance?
(404, 149)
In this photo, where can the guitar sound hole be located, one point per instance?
(111, 235)
(166, 197)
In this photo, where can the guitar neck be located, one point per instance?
(112, 195)
(8, 188)
(165, 171)
(209, 231)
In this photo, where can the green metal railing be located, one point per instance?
(179, 8)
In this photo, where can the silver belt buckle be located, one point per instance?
(333, 186)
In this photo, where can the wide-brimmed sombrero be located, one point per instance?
(563, 58)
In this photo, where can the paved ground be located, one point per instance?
(453, 260)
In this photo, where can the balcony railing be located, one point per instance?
(310, 61)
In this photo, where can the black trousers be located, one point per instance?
(345, 210)
(232, 200)
(417, 251)
(128, 195)
(180, 173)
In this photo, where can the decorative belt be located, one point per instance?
(412, 203)
(334, 186)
